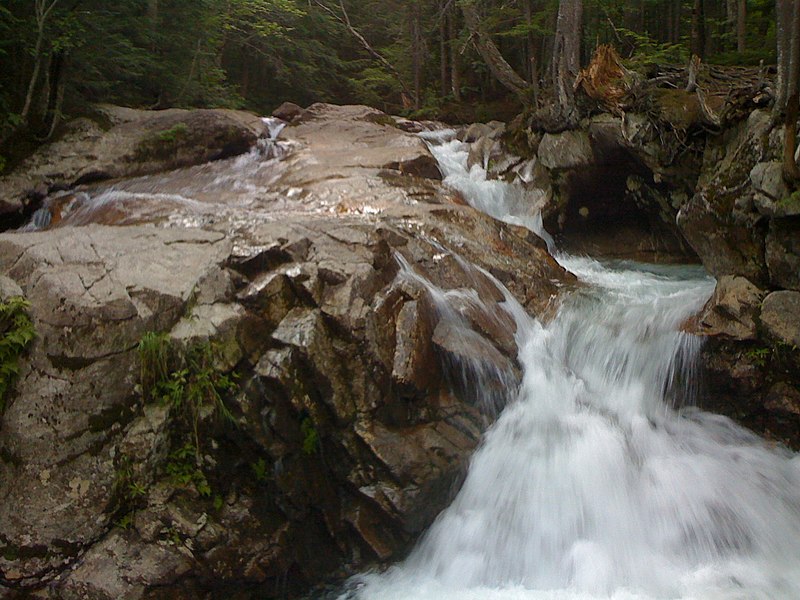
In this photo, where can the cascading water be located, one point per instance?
(202, 192)
(499, 199)
(598, 481)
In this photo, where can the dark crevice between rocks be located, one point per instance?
(616, 210)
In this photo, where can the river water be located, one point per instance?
(600, 480)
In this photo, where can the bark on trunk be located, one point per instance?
(698, 29)
(566, 58)
(37, 67)
(443, 79)
(455, 64)
(741, 26)
(790, 170)
(416, 52)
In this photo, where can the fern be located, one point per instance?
(16, 333)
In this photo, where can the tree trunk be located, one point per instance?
(443, 78)
(56, 99)
(698, 29)
(152, 19)
(416, 52)
(676, 28)
(741, 26)
(37, 66)
(566, 58)
(731, 15)
(784, 36)
(790, 170)
(501, 70)
(455, 64)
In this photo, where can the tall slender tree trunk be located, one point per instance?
(152, 20)
(416, 51)
(443, 75)
(566, 58)
(530, 42)
(676, 28)
(37, 67)
(698, 40)
(55, 100)
(791, 172)
(741, 26)
(731, 15)
(784, 30)
(455, 63)
(533, 59)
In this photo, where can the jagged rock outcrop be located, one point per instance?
(324, 289)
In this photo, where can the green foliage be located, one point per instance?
(125, 521)
(310, 436)
(758, 356)
(129, 494)
(154, 350)
(174, 133)
(258, 53)
(185, 379)
(791, 202)
(184, 471)
(16, 333)
(259, 470)
(647, 52)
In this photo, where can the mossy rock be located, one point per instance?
(679, 108)
(789, 206)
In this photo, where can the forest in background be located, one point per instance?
(421, 58)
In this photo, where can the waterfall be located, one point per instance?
(600, 479)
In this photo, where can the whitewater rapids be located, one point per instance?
(600, 479)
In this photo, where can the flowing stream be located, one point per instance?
(600, 480)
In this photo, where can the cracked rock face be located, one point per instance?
(349, 425)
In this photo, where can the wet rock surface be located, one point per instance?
(346, 431)
(616, 187)
(123, 142)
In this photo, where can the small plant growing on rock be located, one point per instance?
(183, 470)
(154, 357)
(187, 380)
(758, 356)
(173, 133)
(310, 436)
(260, 470)
(16, 333)
(129, 494)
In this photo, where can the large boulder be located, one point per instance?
(125, 142)
(783, 253)
(352, 414)
(567, 150)
(732, 311)
(719, 221)
(780, 315)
